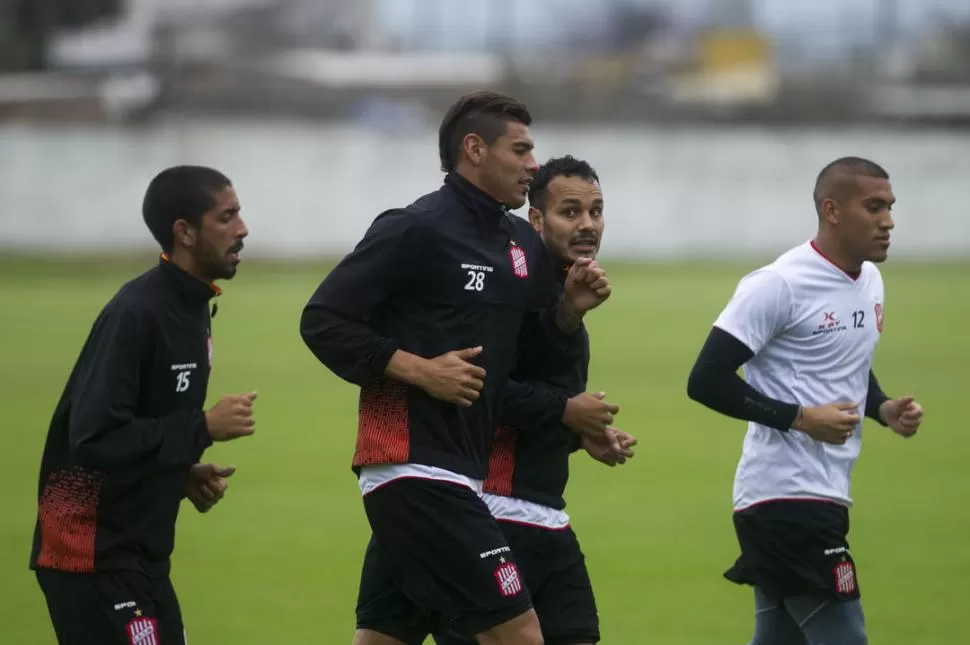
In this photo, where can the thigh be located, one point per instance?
(111, 608)
(446, 636)
(168, 613)
(795, 549)
(77, 614)
(530, 548)
(447, 553)
(773, 625)
(561, 592)
(383, 607)
(824, 619)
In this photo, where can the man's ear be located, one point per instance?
(184, 234)
(535, 218)
(475, 148)
(830, 211)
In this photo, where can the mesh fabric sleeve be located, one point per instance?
(760, 308)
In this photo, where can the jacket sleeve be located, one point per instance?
(532, 405)
(540, 335)
(103, 431)
(336, 322)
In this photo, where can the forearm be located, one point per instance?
(567, 318)
(548, 345)
(177, 440)
(530, 406)
(874, 399)
(575, 442)
(406, 367)
(350, 349)
(730, 395)
(714, 382)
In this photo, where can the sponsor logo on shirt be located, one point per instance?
(829, 324)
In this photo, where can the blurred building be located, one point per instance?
(619, 60)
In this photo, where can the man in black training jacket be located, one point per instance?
(426, 315)
(128, 432)
(545, 417)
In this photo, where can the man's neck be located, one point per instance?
(471, 176)
(832, 251)
(184, 261)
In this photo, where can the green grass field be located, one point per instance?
(278, 560)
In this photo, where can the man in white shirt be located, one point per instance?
(805, 327)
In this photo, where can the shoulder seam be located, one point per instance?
(788, 289)
(775, 272)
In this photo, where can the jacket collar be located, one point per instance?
(186, 283)
(476, 199)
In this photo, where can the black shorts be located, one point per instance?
(554, 569)
(436, 551)
(382, 606)
(795, 548)
(117, 608)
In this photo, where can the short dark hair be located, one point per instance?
(180, 192)
(827, 184)
(484, 113)
(567, 166)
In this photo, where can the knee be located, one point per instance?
(524, 633)
(836, 633)
(371, 637)
(839, 624)
(531, 636)
(855, 636)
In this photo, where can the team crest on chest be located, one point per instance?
(878, 309)
(520, 266)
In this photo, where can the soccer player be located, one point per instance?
(426, 315)
(546, 415)
(805, 327)
(129, 429)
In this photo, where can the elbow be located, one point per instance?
(308, 326)
(698, 384)
(314, 332)
(87, 454)
(324, 338)
(563, 356)
(81, 446)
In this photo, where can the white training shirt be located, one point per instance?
(813, 330)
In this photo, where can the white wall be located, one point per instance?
(310, 190)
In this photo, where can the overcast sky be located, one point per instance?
(461, 24)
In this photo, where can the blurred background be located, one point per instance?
(707, 120)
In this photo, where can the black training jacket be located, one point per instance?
(126, 429)
(451, 271)
(530, 456)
